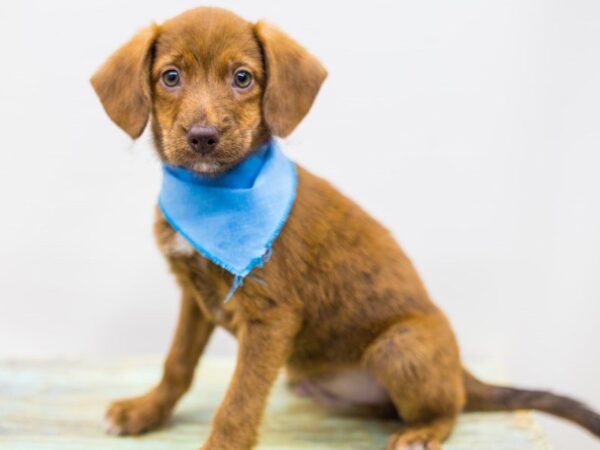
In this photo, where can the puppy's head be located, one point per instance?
(214, 85)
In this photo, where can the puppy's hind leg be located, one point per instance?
(141, 414)
(417, 362)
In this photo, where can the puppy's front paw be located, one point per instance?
(408, 444)
(225, 443)
(135, 415)
(208, 446)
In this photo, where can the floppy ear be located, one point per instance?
(122, 83)
(294, 78)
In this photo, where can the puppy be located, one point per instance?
(338, 304)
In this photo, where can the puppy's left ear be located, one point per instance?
(294, 78)
(123, 82)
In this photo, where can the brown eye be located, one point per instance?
(171, 78)
(242, 79)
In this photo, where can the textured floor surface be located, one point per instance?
(59, 405)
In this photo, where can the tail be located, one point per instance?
(486, 397)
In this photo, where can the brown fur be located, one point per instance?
(338, 293)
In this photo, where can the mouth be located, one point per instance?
(211, 162)
(216, 162)
(207, 167)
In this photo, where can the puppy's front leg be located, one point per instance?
(263, 348)
(140, 414)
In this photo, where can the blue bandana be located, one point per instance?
(232, 219)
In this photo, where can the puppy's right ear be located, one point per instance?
(123, 82)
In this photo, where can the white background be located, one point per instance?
(470, 128)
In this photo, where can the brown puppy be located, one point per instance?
(342, 308)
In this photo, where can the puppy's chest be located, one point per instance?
(210, 284)
(206, 282)
(176, 246)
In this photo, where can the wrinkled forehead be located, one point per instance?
(208, 38)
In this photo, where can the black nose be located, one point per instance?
(203, 139)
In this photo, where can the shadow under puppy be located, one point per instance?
(338, 304)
